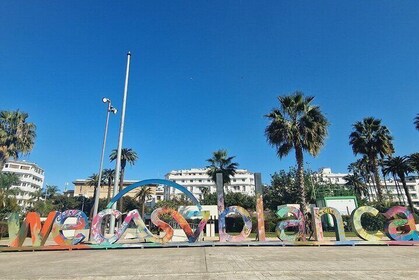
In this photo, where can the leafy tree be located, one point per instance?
(297, 124)
(8, 202)
(231, 199)
(130, 203)
(173, 203)
(17, 136)
(42, 207)
(417, 121)
(372, 139)
(209, 199)
(400, 166)
(282, 190)
(221, 163)
(128, 155)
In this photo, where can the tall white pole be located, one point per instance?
(121, 136)
(99, 182)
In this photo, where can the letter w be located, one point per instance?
(39, 233)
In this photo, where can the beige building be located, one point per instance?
(82, 188)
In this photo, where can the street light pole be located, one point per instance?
(121, 136)
(97, 192)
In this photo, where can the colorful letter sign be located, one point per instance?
(400, 226)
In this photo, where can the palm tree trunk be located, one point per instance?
(397, 189)
(92, 209)
(388, 192)
(377, 179)
(300, 179)
(109, 191)
(2, 162)
(121, 185)
(400, 190)
(407, 192)
(142, 210)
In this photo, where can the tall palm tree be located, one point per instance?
(128, 155)
(142, 195)
(297, 124)
(372, 139)
(220, 162)
(400, 166)
(417, 121)
(17, 136)
(414, 161)
(109, 176)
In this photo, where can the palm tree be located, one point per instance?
(417, 121)
(128, 155)
(221, 163)
(414, 161)
(356, 182)
(372, 139)
(50, 191)
(400, 166)
(16, 135)
(142, 195)
(109, 175)
(297, 124)
(37, 195)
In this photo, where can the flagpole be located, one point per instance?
(121, 136)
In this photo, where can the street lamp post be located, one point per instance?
(97, 192)
(121, 136)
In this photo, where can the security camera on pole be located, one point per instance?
(121, 136)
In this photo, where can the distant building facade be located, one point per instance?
(197, 181)
(82, 188)
(31, 180)
(392, 188)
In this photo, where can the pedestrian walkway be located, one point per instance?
(369, 262)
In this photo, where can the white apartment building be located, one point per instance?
(31, 179)
(392, 188)
(197, 179)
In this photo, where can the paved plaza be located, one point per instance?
(357, 262)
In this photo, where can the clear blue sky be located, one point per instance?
(203, 75)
